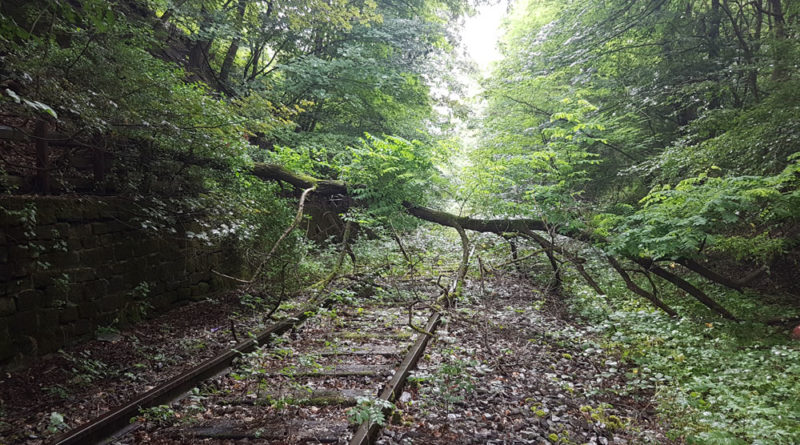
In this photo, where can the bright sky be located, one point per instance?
(481, 32)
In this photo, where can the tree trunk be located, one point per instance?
(230, 55)
(633, 287)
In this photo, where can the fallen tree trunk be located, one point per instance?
(273, 172)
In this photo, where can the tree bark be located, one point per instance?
(500, 227)
(686, 287)
(633, 287)
(230, 55)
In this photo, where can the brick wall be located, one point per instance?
(75, 264)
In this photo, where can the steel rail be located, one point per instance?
(116, 420)
(368, 431)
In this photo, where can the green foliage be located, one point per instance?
(161, 415)
(85, 369)
(666, 98)
(388, 171)
(720, 382)
(732, 215)
(369, 410)
(56, 423)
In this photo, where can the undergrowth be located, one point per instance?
(715, 381)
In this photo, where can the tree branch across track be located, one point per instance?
(273, 172)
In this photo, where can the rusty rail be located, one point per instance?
(368, 431)
(112, 422)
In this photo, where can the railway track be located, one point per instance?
(306, 379)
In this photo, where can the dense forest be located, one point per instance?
(636, 160)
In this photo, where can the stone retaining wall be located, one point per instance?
(70, 265)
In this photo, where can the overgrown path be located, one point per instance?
(502, 368)
(300, 387)
(506, 369)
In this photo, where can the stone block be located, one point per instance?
(116, 284)
(68, 314)
(82, 274)
(89, 242)
(47, 232)
(67, 333)
(7, 306)
(14, 287)
(100, 255)
(76, 294)
(7, 349)
(74, 244)
(143, 249)
(20, 253)
(25, 344)
(107, 240)
(48, 319)
(23, 323)
(87, 310)
(96, 289)
(199, 290)
(8, 219)
(44, 279)
(79, 231)
(119, 267)
(49, 341)
(109, 227)
(61, 260)
(136, 274)
(46, 213)
(29, 299)
(83, 327)
(91, 210)
(123, 250)
(184, 292)
(111, 303)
